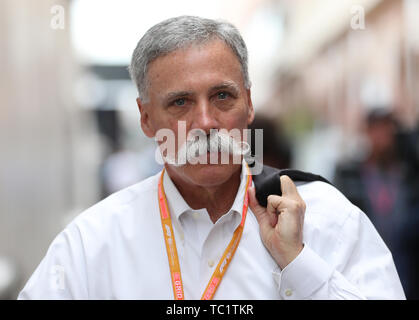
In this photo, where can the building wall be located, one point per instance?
(43, 176)
(350, 71)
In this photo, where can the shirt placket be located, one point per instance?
(213, 248)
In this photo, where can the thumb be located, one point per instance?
(288, 187)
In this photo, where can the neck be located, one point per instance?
(216, 199)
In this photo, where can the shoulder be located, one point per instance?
(322, 192)
(333, 226)
(327, 204)
(118, 211)
(95, 240)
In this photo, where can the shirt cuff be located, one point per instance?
(302, 276)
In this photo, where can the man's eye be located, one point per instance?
(222, 95)
(179, 102)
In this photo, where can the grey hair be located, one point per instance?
(178, 33)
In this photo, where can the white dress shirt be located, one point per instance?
(116, 250)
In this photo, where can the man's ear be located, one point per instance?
(146, 124)
(251, 115)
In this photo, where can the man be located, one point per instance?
(384, 183)
(188, 232)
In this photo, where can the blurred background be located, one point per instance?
(335, 87)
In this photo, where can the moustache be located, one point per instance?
(195, 149)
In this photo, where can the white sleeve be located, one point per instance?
(368, 271)
(61, 273)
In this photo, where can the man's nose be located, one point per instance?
(204, 117)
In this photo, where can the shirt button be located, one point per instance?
(196, 215)
(211, 263)
(288, 292)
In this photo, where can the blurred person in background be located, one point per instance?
(277, 150)
(124, 167)
(385, 185)
(121, 166)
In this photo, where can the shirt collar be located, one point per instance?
(238, 201)
(177, 205)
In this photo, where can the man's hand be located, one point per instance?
(281, 223)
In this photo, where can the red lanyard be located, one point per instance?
(172, 255)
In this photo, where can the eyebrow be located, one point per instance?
(177, 94)
(223, 85)
(226, 85)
